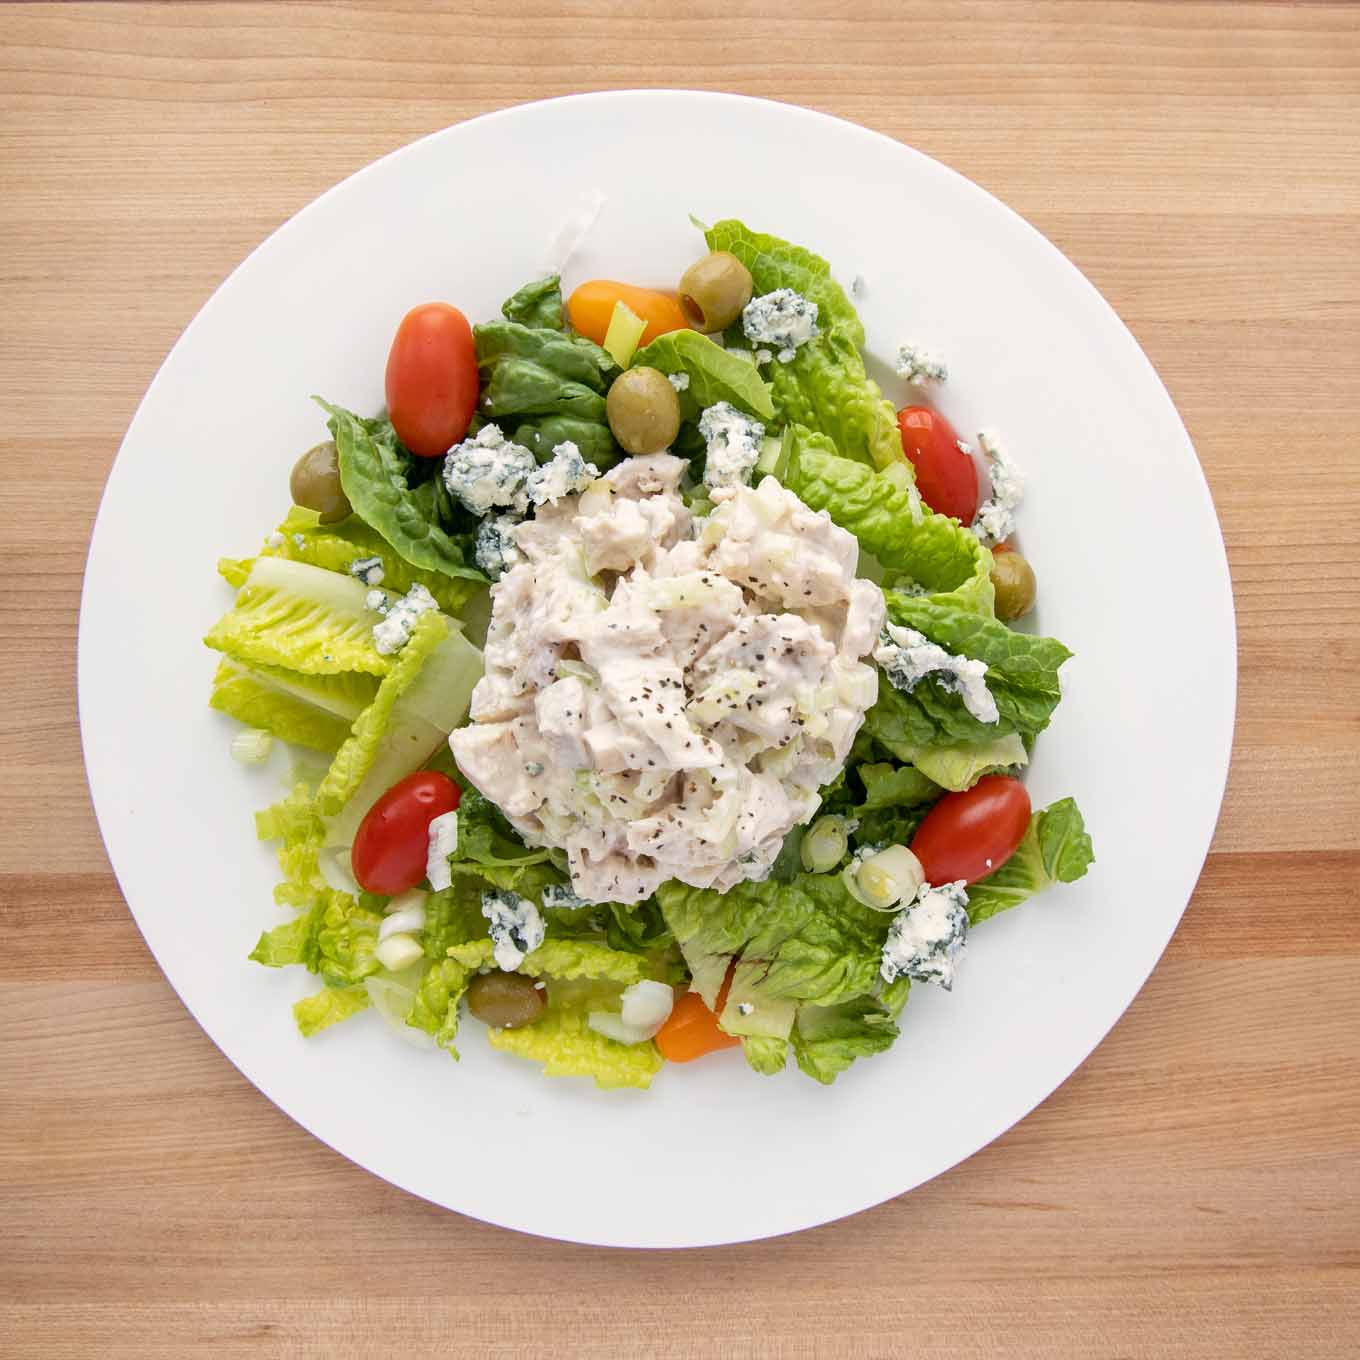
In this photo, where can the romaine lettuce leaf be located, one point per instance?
(299, 618)
(375, 471)
(335, 938)
(328, 1007)
(335, 546)
(542, 434)
(435, 1009)
(489, 849)
(714, 374)
(569, 358)
(766, 1056)
(1056, 849)
(525, 387)
(298, 708)
(564, 960)
(888, 786)
(887, 517)
(355, 758)
(960, 767)
(452, 917)
(827, 1039)
(536, 304)
(563, 1042)
(825, 387)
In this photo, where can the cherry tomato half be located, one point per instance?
(691, 1030)
(393, 840)
(946, 477)
(432, 379)
(972, 834)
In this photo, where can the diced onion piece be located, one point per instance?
(613, 1027)
(251, 746)
(443, 843)
(889, 878)
(825, 845)
(404, 921)
(398, 952)
(647, 1005)
(625, 330)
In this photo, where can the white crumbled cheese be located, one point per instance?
(763, 357)
(299, 540)
(685, 687)
(443, 843)
(369, 570)
(376, 600)
(679, 381)
(489, 472)
(995, 520)
(276, 540)
(920, 366)
(926, 939)
(857, 286)
(907, 657)
(733, 440)
(394, 631)
(516, 927)
(744, 1008)
(496, 550)
(562, 897)
(782, 319)
(566, 474)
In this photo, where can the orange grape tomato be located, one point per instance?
(592, 305)
(692, 1031)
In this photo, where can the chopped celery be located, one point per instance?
(624, 333)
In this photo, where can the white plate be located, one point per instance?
(1118, 523)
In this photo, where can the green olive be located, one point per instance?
(643, 410)
(1013, 578)
(506, 1000)
(714, 290)
(315, 484)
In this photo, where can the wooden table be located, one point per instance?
(1194, 1190)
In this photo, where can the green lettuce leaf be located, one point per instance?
(297, 708)
(888, 826)
(299, 618)
(563, 1042)
(714, 374)
(489, 848)
(430, 693)
(827, 1039)
(376, 471)
(826, 387)
(335, 546)
(542, 434)
(887, 786)
(569, 358)
(766, 1056)
(328, 1007)
(537, 304)
(804, 941)
(1055, 849)
(886, 516)
(524, 387)
(564, 960)
(435, 1009)
(335, 939)
(453, 917)
(355, 758)
(960, 767)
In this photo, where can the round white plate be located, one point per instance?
(1118, 523)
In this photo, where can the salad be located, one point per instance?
(648, 681)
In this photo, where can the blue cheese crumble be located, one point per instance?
(496, 550)
(907, 657)
(566, 474)
(377, 601)
(397, 625)
(782, 319)
(489, 472)
(995, 520)
(275, 540)
(733, 440)
(920, 366)
(679, 381)
(516, 927)
(562, 897)
(443, 843)
(926, 939)
(369, 570)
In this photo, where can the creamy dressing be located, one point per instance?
(663, 699)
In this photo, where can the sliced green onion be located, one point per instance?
(252, 746)
(825, 845)
(625, 330)
(889, 878)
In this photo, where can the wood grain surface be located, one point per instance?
(1194, 1190)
